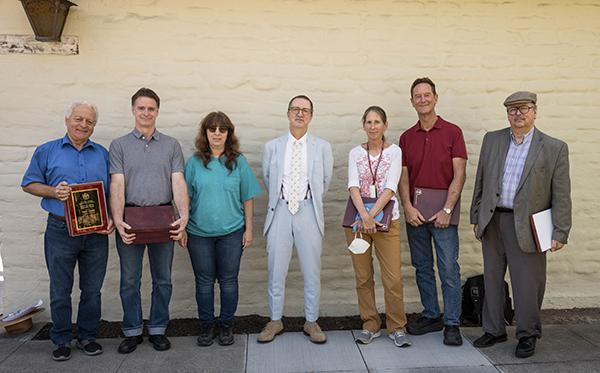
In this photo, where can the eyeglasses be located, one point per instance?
(214, 129)
(296, 110)
(81, 120)
(520, 109)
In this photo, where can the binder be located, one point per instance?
(350, 216)
(429, 201)
(151, 224)
(542, 227)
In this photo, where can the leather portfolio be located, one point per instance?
(384, 217)
(430, 201)
(151, 224)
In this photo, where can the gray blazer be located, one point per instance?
(545, 183)
(319, 167)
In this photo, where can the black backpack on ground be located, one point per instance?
(472, 302)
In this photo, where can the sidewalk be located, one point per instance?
(564, 348)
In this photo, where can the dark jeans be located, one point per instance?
(62, 252)
(160, 256)
(216, 259)
(446, 250)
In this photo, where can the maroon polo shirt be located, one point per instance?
(428, 154)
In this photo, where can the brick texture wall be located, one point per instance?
(248, 58)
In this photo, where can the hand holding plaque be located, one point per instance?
(85, 209)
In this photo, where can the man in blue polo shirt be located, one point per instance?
(54, 166)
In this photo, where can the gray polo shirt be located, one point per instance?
(147, 164)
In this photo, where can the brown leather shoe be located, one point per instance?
(314, 332)
(270, 331)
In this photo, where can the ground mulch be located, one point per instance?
(254, 323)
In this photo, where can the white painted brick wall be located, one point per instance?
(248, 58)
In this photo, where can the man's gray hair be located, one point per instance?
(70, 108)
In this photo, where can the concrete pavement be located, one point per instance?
(563, 348)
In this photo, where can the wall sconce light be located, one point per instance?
(47, 17)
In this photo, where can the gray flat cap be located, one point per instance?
(521, 97)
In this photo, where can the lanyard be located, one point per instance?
(374, 174)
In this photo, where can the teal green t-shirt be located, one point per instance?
(217, 196)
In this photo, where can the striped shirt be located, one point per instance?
(513, 169)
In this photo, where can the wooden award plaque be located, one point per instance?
(85, 209)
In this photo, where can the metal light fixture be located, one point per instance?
(47, 17)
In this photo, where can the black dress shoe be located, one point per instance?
(207, 334)
(526, 346)
(425, 325)
(452, 336)
(160, 342)
(225, 335)
(488, 340)
(129, 344)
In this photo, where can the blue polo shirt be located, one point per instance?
(59, 160)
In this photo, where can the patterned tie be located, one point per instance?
(294, 194)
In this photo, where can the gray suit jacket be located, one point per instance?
(319, 167)
(545, 183)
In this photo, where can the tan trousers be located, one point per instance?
(387, 249)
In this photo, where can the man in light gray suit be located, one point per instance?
(521, 171)
(297, 170)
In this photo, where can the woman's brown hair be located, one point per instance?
(232, 145)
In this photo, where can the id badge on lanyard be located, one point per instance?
(373, 187)
(372, 191)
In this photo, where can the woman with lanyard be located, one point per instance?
(374, 171)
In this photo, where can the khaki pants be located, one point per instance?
(387, 249)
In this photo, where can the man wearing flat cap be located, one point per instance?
(521, 171)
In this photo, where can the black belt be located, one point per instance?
(58, 217)
(503, 209)
(164, 204)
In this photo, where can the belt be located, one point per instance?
(58, 217)
(163, 204)
(503, 209)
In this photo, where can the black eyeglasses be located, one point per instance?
(295, 110)
(214, 129)
(521, 109)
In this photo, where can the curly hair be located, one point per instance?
(232, 145)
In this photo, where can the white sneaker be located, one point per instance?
(400, 338)
(366, 337)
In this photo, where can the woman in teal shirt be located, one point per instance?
(221, 186)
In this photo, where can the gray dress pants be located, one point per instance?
(527, 277)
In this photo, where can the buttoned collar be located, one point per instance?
(436, 125)
(526, 138)
(292, 139)
(67, 141)
(138, 134)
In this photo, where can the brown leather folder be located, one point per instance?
(151, 224)
(350, 214)
(430, 201)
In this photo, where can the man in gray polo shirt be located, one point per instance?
(146, 169)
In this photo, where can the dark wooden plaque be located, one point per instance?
(85, 209)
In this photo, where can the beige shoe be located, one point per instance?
(314, 332)
(270, 331)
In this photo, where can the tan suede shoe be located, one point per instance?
(314, 332)
(270, 331)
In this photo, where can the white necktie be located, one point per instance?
(294, 194)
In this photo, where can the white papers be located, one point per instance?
(541, 224)
(22, 311)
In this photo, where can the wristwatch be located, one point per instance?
(447, 210)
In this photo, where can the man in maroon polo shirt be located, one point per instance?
(434, 156)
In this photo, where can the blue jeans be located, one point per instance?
(160, 256)
(216, 259)
(446, 250)
(62, 252)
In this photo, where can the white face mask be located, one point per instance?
(358, 245)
